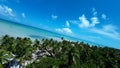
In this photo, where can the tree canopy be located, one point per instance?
(51, 53)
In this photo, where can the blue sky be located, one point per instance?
(92, 20)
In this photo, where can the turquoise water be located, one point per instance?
(19, 30)
(14, 29)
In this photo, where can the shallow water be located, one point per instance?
(14, 29)
(19, 30)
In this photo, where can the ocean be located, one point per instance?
(20, 30)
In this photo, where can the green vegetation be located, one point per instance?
(57, 54)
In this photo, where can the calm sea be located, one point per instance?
(19, 30)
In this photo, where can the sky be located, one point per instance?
(92, 20)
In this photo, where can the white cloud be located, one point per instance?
(54, 16)
(111, 29)
(6, 11)
(64, 30)
(94, 11)
(108, 30)
(67, 23)
(94, 21)
(104, 16)
(23, 15)
(84, 21)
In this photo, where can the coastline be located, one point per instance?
(38, 33)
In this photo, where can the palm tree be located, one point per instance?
(5, 56)
(36, 44)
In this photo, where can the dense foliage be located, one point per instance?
(61, 54)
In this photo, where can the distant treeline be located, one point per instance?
(49, 53)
